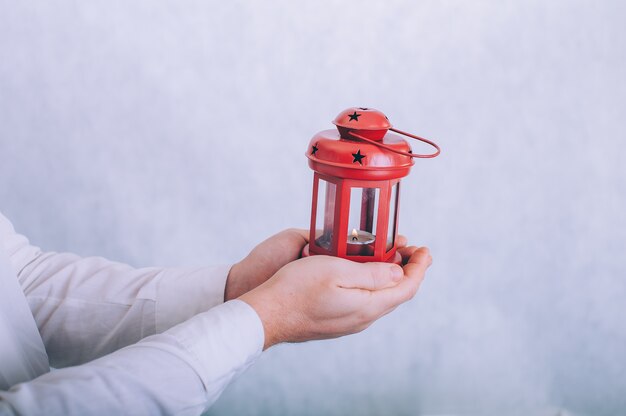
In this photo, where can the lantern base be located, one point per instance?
(396, 258)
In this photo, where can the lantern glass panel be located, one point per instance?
(393, 215)
(362, 221)
(325, 214)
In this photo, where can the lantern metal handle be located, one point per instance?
(391, 149)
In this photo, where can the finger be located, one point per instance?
(406, 253)
(300, 232)
(414, 272)
(370, 276)
(417, 264)
(287, 244)
(401, 241)
(297, 239)
(276, 251)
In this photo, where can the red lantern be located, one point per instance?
(356, 186)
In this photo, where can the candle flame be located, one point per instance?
(355, 234)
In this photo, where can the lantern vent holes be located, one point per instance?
(358, 157)
(354, 116)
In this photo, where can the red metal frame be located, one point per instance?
(341, 218)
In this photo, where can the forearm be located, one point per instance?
(113, 385)
(181, 371)
(89, 307)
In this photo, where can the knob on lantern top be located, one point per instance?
(367, 122)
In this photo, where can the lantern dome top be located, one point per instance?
(369, 122)
(364, 147)
(362, 118)
(330, 153)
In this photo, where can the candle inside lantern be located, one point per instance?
(360, 243)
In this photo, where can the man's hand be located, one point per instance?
(326, 297)
(267, 258)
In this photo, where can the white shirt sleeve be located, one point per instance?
(181, 371)
(88, 307)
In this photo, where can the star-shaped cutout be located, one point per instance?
(314, 150)
(354, 116)
(358, 157)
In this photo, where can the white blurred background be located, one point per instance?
(173, 133)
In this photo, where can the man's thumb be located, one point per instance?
(373, 276)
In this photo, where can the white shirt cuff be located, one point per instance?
(223, 341)
(183, 293)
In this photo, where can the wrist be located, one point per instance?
(268, 314)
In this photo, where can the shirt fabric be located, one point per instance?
(124, 340)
